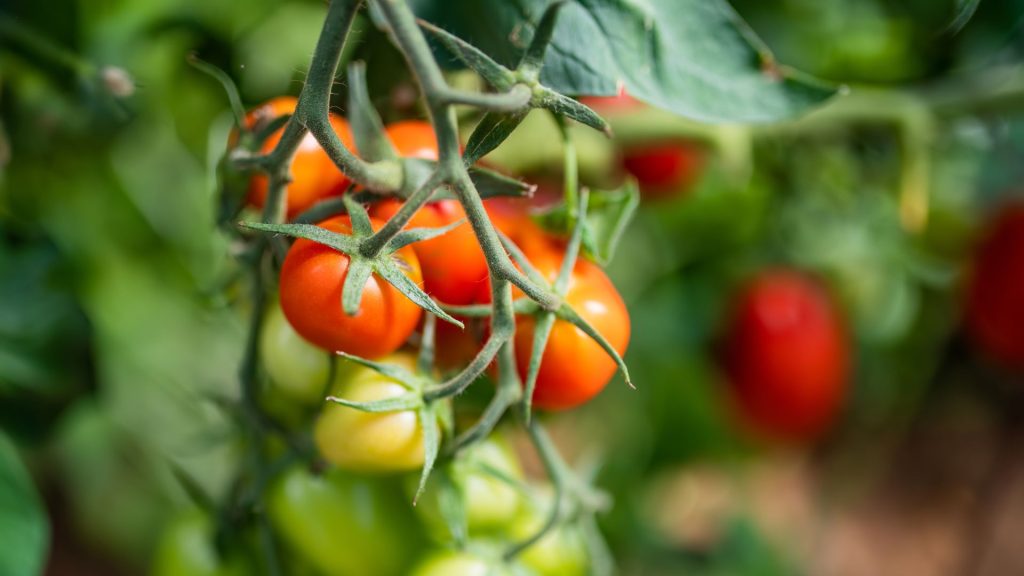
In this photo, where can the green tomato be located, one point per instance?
(344, 525)
(463, 563)
(371, 442)
(297, 369)
(186, 548)
(561, 552)
(490, 502)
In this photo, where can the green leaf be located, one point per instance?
(24, 529)
(492, 130)
(696, 58)
(367, 127)
(608, 215)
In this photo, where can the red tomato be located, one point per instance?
(619, 103)
(312, 277)
(664, 170)
(787, 356)
(995, 296)
(314, 175)
(453, 264)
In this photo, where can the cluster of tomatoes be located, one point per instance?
(351, 517)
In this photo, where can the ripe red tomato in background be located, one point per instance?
(995, 295)
(314, 175)
(312, 277)
(453, 264)
(663, 169)
(787, 356)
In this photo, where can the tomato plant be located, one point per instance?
(314, 175)
(787, 355)
(371, 442)
(995, 306)
(343, 524)
(312, 277)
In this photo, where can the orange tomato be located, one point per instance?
(311, 283)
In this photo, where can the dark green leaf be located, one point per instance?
(367, 127)
(24, 530)
(694, 57)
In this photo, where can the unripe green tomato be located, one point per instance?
(491, 504)
(463, 563)
(186, 548)
(343, 524)
(561, 552)
(297, 369)
(371, 442)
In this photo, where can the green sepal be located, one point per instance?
(390, 371)
(451, 505)
(411, 236)
(565, 312)
(408, 401)
(358, 216)
(431, 445)
(607, 218)
(533, 58)
(367, 127)
(340, 242)
(541, 332)
(495, 74)
(492, 130)
(356, 276)
(547, 98)
(491, 184)
(405, 285)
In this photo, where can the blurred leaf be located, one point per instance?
(24, 529)
(694, 57)
(608, 215)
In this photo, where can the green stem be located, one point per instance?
(375, 243)
(559, 474)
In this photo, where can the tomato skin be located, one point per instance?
(461, 563)
(491, 504)
(314, 175)
(311, 283)
(787, 355)
(413, 139)
(315, 514)
(298, 369)
(574, 367)
(995, 294)
(365, 442)
(186, 548)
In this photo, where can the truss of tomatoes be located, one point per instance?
(452, 269)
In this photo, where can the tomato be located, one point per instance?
(342, 524)
(462, 563)
(453, 264)
(995, 294)
(664, 170)
(311, 283)
(787, 356)
(314, 174)
(574, 368)
(561, 552)
(381, 442)
(186, 548)
(298, 369)
(490, 502)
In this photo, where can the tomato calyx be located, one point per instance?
(435, 416)
(361, 266)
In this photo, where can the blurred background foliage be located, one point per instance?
(117, 334)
